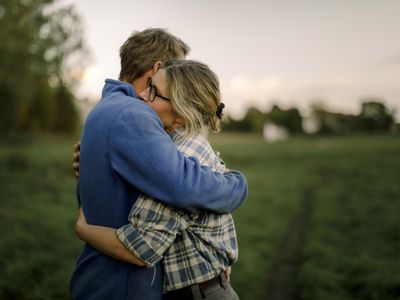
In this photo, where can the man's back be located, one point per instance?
(106, 199)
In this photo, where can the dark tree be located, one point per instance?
(375, 117)
(40, 39)
(290, 119)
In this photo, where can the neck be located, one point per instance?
(140, 84)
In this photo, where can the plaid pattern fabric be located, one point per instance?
(195, 247)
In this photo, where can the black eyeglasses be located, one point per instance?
(153, 93)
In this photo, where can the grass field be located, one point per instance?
(321, 220)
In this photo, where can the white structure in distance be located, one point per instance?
(274, 133)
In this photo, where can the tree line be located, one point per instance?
(41, 51)
(374, 117)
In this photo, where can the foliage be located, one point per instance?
(254, 120)
(331, 122)
(40, 38)
(289, 119)
(374, 117)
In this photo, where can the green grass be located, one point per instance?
(276, 182)
(351, 245)
(38, 247)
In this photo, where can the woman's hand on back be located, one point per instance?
(75, 158)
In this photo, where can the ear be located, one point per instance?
(178, 122)
(156, 67)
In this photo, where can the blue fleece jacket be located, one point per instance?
(124, 152)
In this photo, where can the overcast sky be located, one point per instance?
(264, 52)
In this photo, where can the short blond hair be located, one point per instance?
(194, 94)
(144, 48)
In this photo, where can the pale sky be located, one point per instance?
(264, 52)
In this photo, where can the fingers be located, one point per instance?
(75, 167)
(77, 146)
(75, 158)
(227, 273)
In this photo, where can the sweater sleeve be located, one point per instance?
(143, 155)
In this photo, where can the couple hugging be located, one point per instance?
(155, 199)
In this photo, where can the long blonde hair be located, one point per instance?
(194, 94)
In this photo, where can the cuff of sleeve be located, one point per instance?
(136, 243)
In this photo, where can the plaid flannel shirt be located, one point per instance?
(194, 247)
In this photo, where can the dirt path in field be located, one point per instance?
(282, 277)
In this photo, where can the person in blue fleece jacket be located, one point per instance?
(125, 151)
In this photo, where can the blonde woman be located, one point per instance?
(195, 248)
